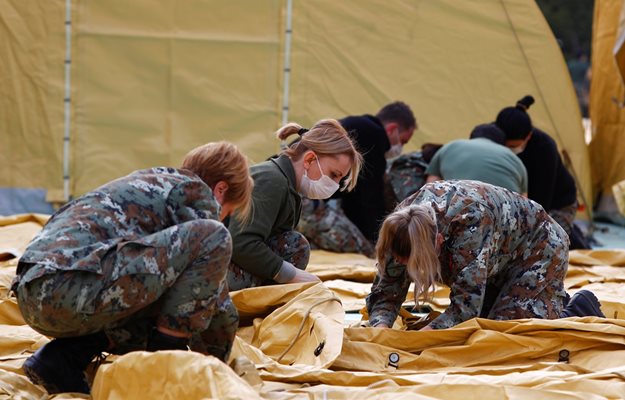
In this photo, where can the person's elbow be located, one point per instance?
(433, 178)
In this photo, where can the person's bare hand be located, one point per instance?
(303, 276)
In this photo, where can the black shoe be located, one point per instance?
(59, 365)
(583, 304)
(161, 341)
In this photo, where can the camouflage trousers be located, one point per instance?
(291, 246)
(177, 282)
(326, 227)
(532, 287)
(565, 216)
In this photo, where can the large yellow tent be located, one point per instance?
(93, 90)
(607, 95)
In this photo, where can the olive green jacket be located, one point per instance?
(276, 209)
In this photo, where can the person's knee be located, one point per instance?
(301, 251)
(293, 247)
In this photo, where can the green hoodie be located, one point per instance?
(276, 209)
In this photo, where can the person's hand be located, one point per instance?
(426, 328)
(303, 276)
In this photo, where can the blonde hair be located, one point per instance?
(410, 232)
(326, 138)
(223, 161)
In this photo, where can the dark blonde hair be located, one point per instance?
(326, 138)
(223, 161)
(410, 232)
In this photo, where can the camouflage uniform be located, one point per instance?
(142, 250)
(291, 246)
(503, 257)
(326, 227)
(565, 216)
(406, 175)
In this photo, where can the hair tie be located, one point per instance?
(302, 131)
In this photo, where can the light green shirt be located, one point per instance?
(481, 160)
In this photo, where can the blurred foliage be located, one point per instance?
(571, 23)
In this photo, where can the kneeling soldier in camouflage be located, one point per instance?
(137, 264)
(502, 256)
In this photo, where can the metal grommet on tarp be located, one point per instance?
(319, 348)
(563, 356)
(393, 360)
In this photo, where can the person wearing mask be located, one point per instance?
(500, 253)
(139, 263)
(480, 158)
(348, 222)
(378, 138)
(549, 182)
(267, 249)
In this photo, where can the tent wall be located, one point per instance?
(154, 81)
(607, 98)
(457, 63)
(150, 82)
(32, 50)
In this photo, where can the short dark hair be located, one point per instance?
(428, 150)
(490, 132)
(398, 112)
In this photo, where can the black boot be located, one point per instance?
(583, 304)
(59, 365)
(161, 341)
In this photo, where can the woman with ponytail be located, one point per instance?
(501, 255)
(549, 182)
(267, 249)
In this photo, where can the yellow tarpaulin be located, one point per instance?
(574, 358)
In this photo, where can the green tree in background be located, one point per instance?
(571, 23)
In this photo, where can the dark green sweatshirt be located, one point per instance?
(276, 209)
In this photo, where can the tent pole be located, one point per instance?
(287, 61)
(67, 97)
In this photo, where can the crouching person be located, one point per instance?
(138, 264)
(502, 256)
(268, 249)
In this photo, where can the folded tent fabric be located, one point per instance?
(514, 359)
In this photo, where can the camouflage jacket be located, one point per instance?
(128, 209)
(486, 230)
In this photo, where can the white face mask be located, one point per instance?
(518, 149)
(319, 189)
(394, 151)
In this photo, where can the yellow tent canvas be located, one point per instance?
(122, 86)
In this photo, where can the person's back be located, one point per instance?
(364, 206)
(550, 183)
(128, 208)
(378, 138)
(480, 159)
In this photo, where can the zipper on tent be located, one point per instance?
(67, 98)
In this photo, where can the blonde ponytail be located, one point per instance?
(326, 138)
(410, 232)
(287, 130)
